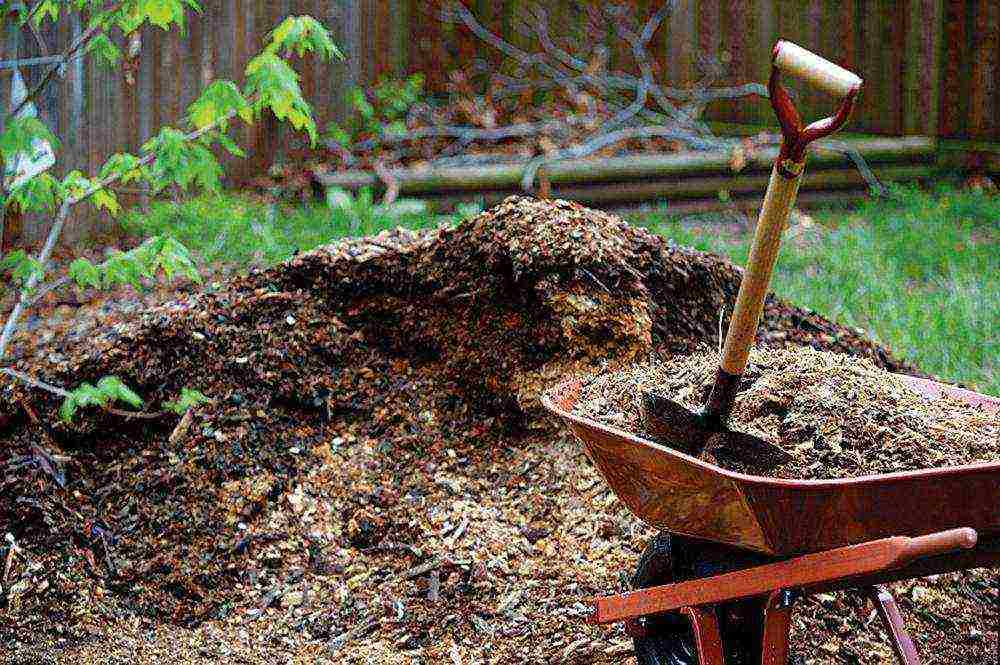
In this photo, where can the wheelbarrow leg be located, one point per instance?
(902, 645)
(707, 637)
(777, 622)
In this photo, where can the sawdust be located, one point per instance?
(374, 481)
(837, 416)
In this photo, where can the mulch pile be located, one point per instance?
(837, 416)
(374, 480)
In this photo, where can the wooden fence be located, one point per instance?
(931, 66)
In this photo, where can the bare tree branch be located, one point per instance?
(77, 46)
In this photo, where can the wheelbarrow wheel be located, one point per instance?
(667, 639)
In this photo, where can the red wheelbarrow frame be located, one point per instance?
(865, 566)
(670, 490)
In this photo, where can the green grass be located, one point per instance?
(237, 229)
(919, 271)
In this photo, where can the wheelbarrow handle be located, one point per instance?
(778, 201)
(942, 542)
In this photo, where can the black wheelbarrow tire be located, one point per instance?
(667, 639)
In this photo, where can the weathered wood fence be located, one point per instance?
(931, 66)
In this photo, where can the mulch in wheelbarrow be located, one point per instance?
(837, 416)
(375, 480)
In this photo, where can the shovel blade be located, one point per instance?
(690, 432)
(748, 451)
(675, 424)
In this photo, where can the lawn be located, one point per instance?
(917, 270)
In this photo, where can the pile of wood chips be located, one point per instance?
(837, 416)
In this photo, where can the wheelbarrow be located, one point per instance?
(764, 542)
(718, 585)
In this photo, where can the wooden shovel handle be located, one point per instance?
(778, 202)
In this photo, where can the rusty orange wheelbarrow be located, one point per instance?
(718, 586)
(763, 542)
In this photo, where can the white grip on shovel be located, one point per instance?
(798, 62)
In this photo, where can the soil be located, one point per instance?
(375, 481)
(835, 415)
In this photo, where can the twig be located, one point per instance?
(12, 548)
(74, 47)
(181, 430)
(33, 382)
(561, 69)
(434, 586)
(361, 629)
(426, 567)
(469, 134)
(390, 182)
(722, 310)
(859, 162)
(603, 140)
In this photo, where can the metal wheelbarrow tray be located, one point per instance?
(673, 491)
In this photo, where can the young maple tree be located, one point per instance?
(179, 156)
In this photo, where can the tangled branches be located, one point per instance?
(582, 106)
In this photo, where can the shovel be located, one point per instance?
(694, 432)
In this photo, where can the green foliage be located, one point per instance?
(123, 166)
(47, 9)
(85, 273)
(38, 194)
(108, 391)
(220, 100)
(76, 186)
(161, 13)
(171, 158)
(271, 82)
(179, 161)
(301, 35)
(20, 266)
(159, 254)
(20, 134)
(380, 112)
(365, 217)
(104, 50)
(127, 16)
(917, 270)
(274, 85)
(156, 255)
(189, 399)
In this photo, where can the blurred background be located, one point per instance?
(654, 109)
(930, 66)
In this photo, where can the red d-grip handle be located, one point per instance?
(821, 73)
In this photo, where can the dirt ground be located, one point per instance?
(374, 481)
